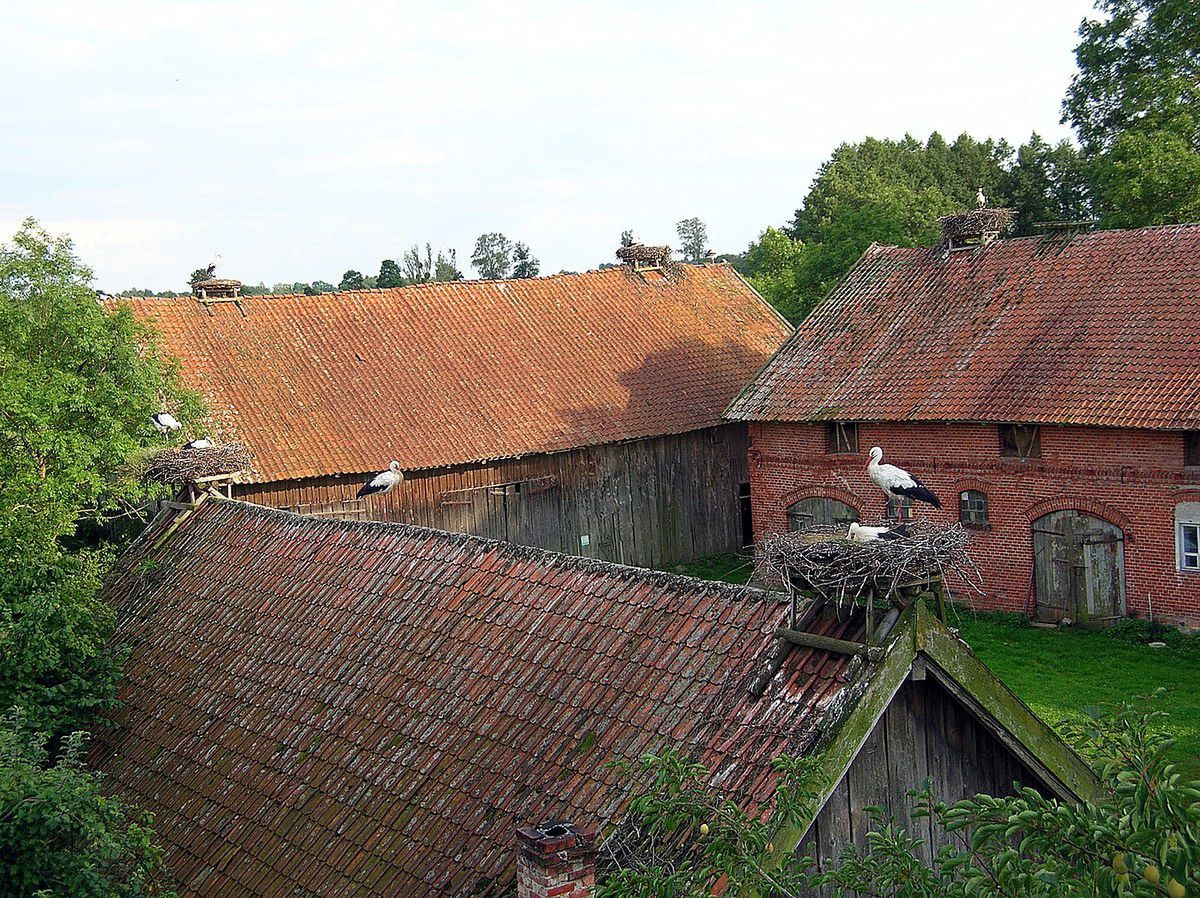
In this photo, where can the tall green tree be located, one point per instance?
(1147, 178)
(390, 274)
(773, 263)
(1135, 105)
(492, 257)
(60, 835)
(78, 382)
(1046, 183)
(693, 239)
(352, 280)
(525, 263)
(1138, 70)
(445, 267)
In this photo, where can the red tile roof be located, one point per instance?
(1102, 330)
(318, 707)
(442, 374)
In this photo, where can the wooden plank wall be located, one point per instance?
(649, 502)
(924, 733)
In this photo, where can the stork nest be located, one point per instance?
(990, 221)
(641, 255)
(183, 465)
(821, 558)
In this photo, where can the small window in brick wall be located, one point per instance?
(1189, 547)
(973, 509)
(899, 508)
(1191, 448)
(1020, 441)
(841, 437)
(1187, 535)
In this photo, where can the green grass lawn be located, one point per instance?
(1060, 673)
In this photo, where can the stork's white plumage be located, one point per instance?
(165, 423)
(863, 533)
(202, 443)
(383, 482)
(897, 481)
(980, 198)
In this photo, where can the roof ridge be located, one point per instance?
(514, 550)
(429, 284)
(877, 246)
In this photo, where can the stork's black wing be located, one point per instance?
(918, 491)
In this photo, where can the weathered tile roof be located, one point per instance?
(443, 374)
(318, 707)
(1103, 329)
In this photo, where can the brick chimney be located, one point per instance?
(556, 860)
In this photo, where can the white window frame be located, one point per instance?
(1187, 517)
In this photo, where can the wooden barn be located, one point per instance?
(579, 412)
(1046, 388)
(318, 707)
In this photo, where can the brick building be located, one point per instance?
(1046, 388)
(578, 412)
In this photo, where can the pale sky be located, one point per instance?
(301, 139)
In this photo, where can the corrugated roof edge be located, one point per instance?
(511, 550)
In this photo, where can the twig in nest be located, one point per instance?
(181, 465)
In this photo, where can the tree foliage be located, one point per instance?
(77, 385)
(1141, 839)
(1135, 104)
(352, 280)
(445, 267)
(1138, 70)
(60, 835)
(693, 239)
(390, 274)
(525, 264)
(418, 269)
(892, 192)
(492, 256)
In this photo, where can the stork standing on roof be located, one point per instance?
(212, 266)
(980, 198)
(165, 423)
(897, 481)
(383, 482)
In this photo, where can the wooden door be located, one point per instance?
(819, 510)
(1078, 567)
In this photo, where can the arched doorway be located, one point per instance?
(1078, 567)
(819, 510)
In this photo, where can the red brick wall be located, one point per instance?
(1132, 478)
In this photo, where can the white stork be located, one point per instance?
(202, 443)
(383, 482)
(980, 198)
(165, 423)
(897, 481)
(861, 533)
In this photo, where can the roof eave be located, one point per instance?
(920, 636)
